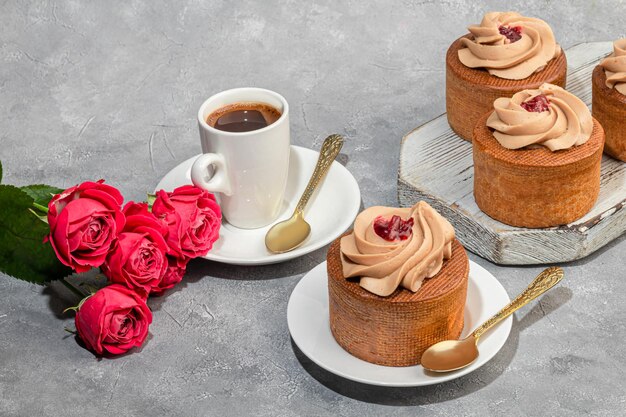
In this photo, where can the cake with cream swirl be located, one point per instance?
(504, 54)
(609, 99)
(509, 45)
(548, 116)
(537, 158)
(397, 284)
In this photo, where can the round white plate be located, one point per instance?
(330, 212)
(307, 318)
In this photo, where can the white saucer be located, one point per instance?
(307, 318)
(330, 212)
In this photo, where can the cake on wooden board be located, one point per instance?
(537, 159)
(609, 99)
(505, 54)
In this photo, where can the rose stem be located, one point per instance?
(73, 288)
(40, 207)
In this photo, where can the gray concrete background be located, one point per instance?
(110, 90)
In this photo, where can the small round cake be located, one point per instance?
(537, 159)
(397, 284)
(505, 54)
(609, 99)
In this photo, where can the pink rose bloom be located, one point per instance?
(193, 219)
(84, 221)
(138, 257)
(173, 275)
(113, 320)
(138, 213)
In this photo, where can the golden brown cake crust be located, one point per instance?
(535, 187)
(470, 92)
(609, 107)
(395, 330)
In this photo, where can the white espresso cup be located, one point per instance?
(246, 170)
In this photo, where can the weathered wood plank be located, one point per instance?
(436, 166)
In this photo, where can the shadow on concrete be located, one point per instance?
(199, 268)
(445, 391)
(60, 297)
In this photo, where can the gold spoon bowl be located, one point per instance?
(450, 355)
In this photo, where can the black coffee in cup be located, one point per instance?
(243, 117)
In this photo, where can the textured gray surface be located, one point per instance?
(111, 90)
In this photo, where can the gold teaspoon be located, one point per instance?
(289, 234)
(450, 355)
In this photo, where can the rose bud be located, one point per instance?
(138, 214)
(173, 275)
(133, 208)
(138, 257)
(193, 219)
(84, 221)
(113, 320)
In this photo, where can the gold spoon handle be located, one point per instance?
(330, 149)
(546, 280)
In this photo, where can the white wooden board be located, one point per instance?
(436, 166)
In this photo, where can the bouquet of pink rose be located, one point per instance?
(142, 248)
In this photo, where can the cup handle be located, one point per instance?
(216, 183)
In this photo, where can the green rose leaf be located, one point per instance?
(22, 251)
(41, 193)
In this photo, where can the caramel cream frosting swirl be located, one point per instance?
(509, 45)
(384, 265)
(558, 119)
(615, 66)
